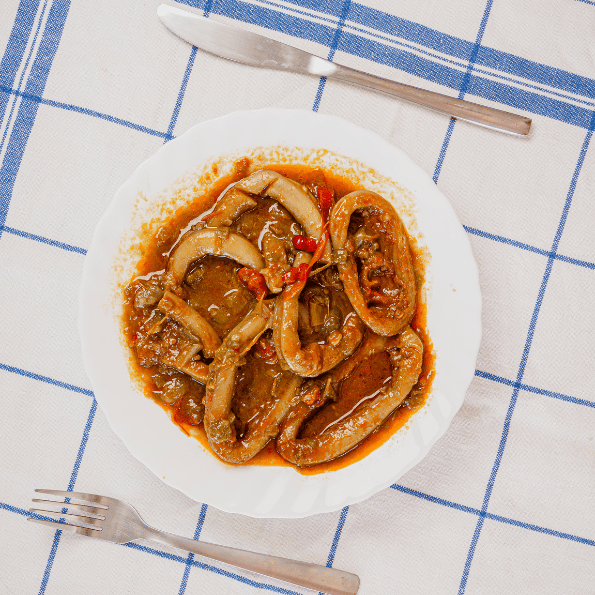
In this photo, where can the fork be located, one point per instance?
(119, 522)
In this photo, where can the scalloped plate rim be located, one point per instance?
(121, 428)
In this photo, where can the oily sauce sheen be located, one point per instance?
(214, 291)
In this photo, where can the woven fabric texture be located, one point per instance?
(505, 501)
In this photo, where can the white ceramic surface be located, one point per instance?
(451, 290)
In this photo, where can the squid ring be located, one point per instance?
(290, 195)
(405, 352)
(177, 309)
(398, 254)
(216, 241)
(315, 359)
(218, 418)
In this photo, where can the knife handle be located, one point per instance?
(465, 110)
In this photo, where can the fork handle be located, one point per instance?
(304, 574)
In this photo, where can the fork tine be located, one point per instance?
(102, 501)
(81, 515)
(78, 518)
(89, 532)
(91, 510)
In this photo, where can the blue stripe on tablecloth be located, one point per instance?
(503, 240)
(28, 110)
(335, 544)
(32, 375)
(274, 20)
(462, 90)
(181, 92)
(462, 49)
(15, 49)
(319, 17)
(207, 9)
(523, 246)
(533, 389)
(331, 53)
(190, 558)
(23, 512)
(587, 2)
(525, 354)
(23, 73)
(490, 516)
(536, 72)
(475, 50)
(73, 476)
(330, 7)
(443, 149)
(83, 110)
(36, 238)
(538, 529)
(580, 263)
(337, 536)
(319, 92)
(435, 500)
(82, 446)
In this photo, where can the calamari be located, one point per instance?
(177, 309)
(316, 358)
(405, 351)
(275, 258)
(197, 370)
(214, 241)
(300, 203)
(220, 389)
(384, 257)
(231, 205)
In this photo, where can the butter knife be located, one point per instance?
(250, 48)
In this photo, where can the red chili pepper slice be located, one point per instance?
(304, 269)
(303, 272)
(291, 275)
(304, 243)
(326, 200)
(265, 348)
(320, 247)
(253, 281)
(296, 273)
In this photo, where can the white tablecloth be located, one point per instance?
(504, 503)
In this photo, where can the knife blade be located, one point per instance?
(238, 45)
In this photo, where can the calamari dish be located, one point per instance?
(278, 319)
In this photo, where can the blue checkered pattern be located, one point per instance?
(504, 502)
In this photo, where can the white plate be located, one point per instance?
(451, 290)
